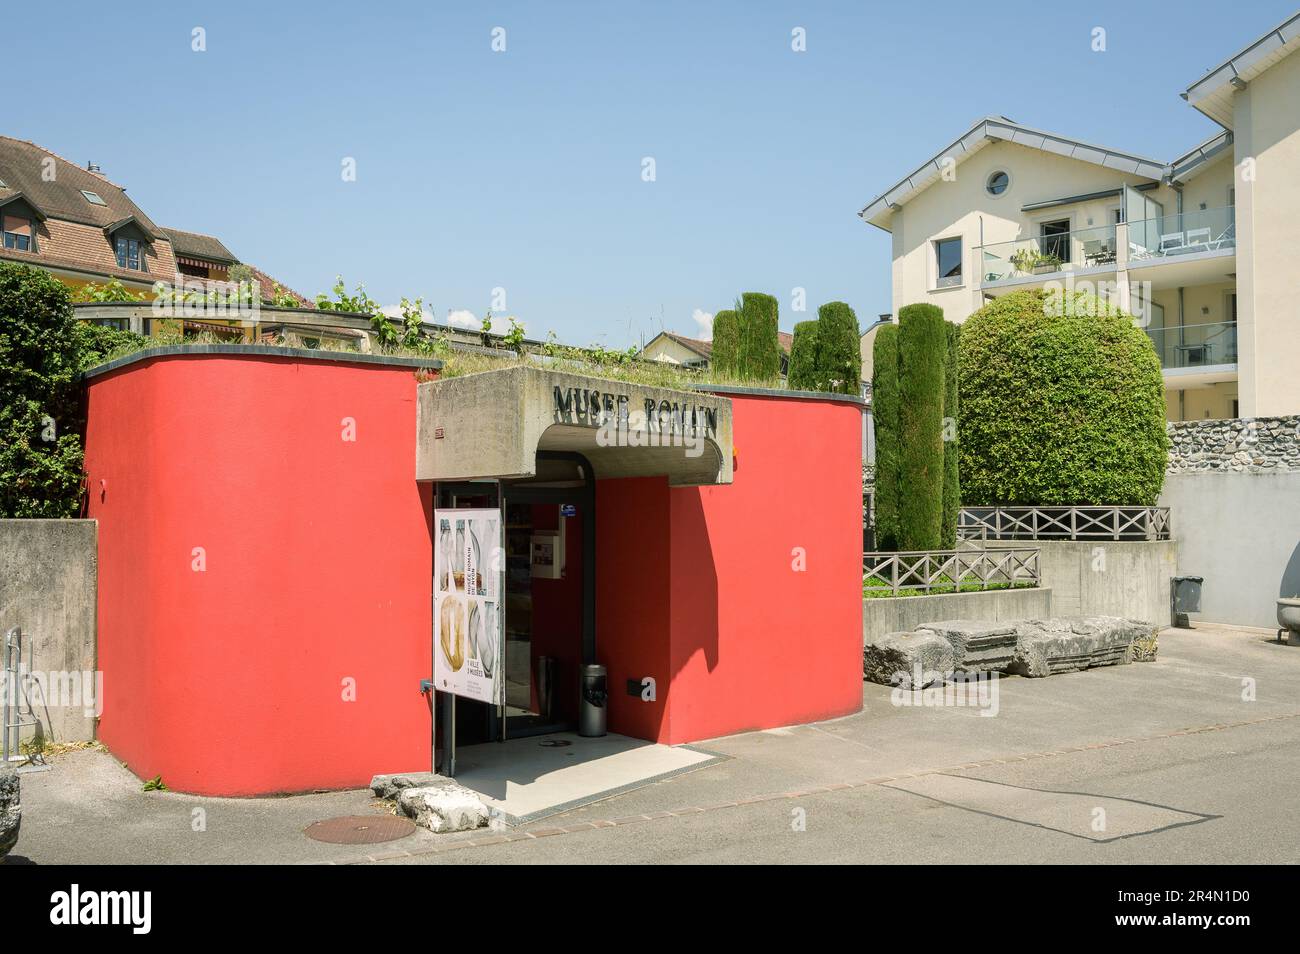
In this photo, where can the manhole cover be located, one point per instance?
(360, 829)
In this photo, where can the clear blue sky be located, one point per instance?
(522, 169)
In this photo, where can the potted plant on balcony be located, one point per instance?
(1031, 261)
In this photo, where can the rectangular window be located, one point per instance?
(18, 233)
(129, 254)
(947, 256)
(1056, 239)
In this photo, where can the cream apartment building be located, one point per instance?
(1201, 248)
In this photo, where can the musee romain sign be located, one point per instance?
(492, 424)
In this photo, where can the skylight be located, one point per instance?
(93, 197)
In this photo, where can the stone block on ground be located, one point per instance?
(390, 786)
(1146, 646)
(977, 646)
(1046, 647)
(901, 659)
(11, 809)
(444, 806)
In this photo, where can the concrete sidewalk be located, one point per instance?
(1175, 758)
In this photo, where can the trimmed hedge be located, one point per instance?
(1062, 403)
(839, 352)
(884, 413)
(804, 354)
(726, 343)
(922, 355)
(951, 444)
(760, 349)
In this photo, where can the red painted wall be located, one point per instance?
(632, 599)
(318, 567)
(232, 680)
(752, 642)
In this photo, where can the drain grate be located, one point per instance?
(360, 829)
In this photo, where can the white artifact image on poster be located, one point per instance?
(468, 573)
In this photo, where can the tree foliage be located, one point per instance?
(803, 374)
(922, 355)
(839, 352)
(759, 354)
(951, 444)
(1062, 403)
(725, 358)
(884, 413)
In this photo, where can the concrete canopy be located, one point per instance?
(493, 423)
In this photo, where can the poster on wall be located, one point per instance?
(469, 585)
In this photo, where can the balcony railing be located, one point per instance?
(949, 571)
(1063, 523)
(1183, 233)
(1044, 254)
(1195, 346)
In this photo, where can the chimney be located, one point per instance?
(93, 169)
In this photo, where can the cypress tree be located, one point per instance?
(922, 354)
(884, 414)
(951, 474)
(804, 356)
(760, 349)
(726, 344)
(839, 354)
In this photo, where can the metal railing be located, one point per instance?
(16, 712)
(1182, 233)
(1195, 346)
(1063, 523)
(950, 571)
(1047, 254)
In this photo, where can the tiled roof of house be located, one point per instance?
(198, 245)
(55, 186)
(705, 348)
(269, 285)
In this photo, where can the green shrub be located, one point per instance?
(922, 354)
(760, 348)
(951, 444)
(40, 414)
(98, 344)
(839, 351)
(804, 351)
(884, 414)
(1062, 403)
(725, 356)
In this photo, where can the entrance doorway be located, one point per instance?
(549, 607)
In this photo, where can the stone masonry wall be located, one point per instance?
(1252, 445)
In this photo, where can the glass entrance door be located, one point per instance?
(544, 602)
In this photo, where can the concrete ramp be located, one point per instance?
(530, 778)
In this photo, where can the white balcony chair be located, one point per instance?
(1172, 242)
(1198, 237)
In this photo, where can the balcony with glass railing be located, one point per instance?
(1183, 233)
(1196, 346)
(1048, 254)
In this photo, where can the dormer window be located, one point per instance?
(129, 254)
(93, 197)
(19, 233)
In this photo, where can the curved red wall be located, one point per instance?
(234, 680)
(758, 583)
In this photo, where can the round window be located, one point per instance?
(998, 183)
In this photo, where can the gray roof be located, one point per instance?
(198, 245)
(1212, 93)
(995, 129)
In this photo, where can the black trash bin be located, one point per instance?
(591, 706)
(1184, 598)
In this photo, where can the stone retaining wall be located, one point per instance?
(1252, 445)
